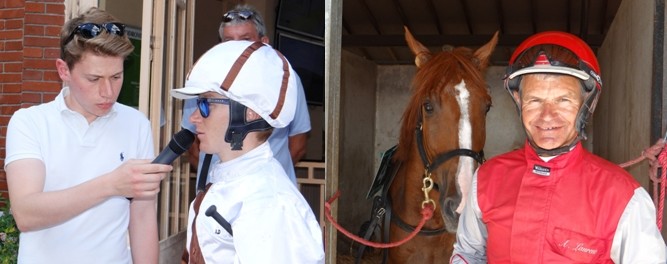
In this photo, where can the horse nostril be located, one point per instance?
(450, 206)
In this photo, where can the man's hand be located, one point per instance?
(139, 178)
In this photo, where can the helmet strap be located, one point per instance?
(239, 127)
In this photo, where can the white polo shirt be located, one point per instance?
(73, 152)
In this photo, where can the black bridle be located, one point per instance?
(430, 166)
(382, 208)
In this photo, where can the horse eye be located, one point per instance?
(428, 107)
(488, 108)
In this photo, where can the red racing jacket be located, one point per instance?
(565, 210)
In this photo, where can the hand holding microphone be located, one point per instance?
(144, 179)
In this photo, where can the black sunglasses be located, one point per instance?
(91, 30)
(243, 15)
(202, 104)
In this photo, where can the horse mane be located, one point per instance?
(436, 77)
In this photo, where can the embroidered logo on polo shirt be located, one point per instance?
(541, 170)
(122, 157)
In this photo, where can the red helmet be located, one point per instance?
(558, 53)
(554, 52)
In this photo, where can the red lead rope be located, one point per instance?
(662, 158)
(427, 213)
(658, 180)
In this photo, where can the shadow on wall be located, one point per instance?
(503, 127)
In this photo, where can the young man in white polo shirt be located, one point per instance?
(72, 163)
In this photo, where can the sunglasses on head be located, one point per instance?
(203, 104)
(91, 30)
(242, 15)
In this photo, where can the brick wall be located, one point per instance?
(29, 45)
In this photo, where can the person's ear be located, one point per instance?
(264, 39)
(251, 115)
(517, 97)
(63, 70)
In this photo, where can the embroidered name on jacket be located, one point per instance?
(578, 247)
(541, 170)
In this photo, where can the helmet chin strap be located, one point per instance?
(553, 152)
(239, 127)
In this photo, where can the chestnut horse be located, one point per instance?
(441, 137)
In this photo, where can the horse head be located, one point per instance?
(443, 127)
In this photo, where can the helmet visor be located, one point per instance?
(548, 58)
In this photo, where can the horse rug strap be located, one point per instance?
(381, 204)
(203, 173)
(196, 256)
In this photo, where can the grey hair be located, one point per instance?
(256, 20)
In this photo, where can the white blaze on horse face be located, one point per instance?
(466, 165)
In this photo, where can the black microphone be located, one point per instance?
(178, 144)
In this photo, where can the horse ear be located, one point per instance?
(422, 54)
(484, 53)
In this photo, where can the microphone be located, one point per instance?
(178, 144)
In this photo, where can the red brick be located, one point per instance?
(41, 86)
(30, 52)
(14, 24)
(34, 30)
(11, 99)
(39, 64)
(2, 24)
(12, 56)
(10, 77)
(41, 42)
(44, 19)
(11, 34)
(32, 7)
(32, 98)
(11, 88)
(33, 75)
(26, 105)
(51, 76)
(4, 120)
(11, 13)
(52, 53)
(53, 31)
(8, 109)
(13, 67)
(13, 45)
(55, 8)
(14, 3)
(48, 97)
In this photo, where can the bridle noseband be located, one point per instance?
(430, 166)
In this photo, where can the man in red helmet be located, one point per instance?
(552, 201)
